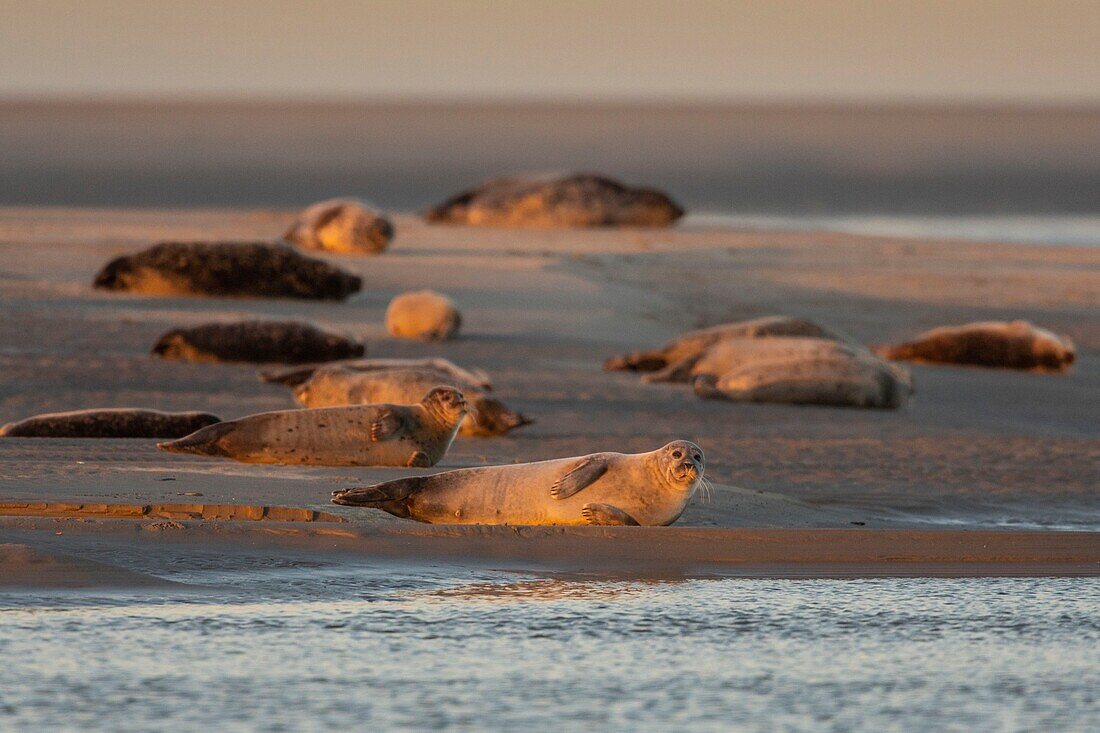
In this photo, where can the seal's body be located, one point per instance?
(284, 342)
(602, 488)
(335, 385)
(343, 226)
(365, 435)
(734, 353)
(1007, 345)
(424, 316)
(227, 269)
(449, 370)
(837, 380)
(109, 423)
(556, 201)
(693, 343)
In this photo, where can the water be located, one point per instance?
(333, 646)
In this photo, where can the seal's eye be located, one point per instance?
(698, 457)
(677, 454)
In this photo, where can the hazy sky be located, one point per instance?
(1043, 51)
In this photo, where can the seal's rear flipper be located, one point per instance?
(606, 515)
(639, 361)
(203, 441)
(678, 372)
(288, 377)
(392, 496)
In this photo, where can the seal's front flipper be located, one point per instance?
(607, 515)
(385, 425)
(583, 474)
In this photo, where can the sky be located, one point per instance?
(1040, 52)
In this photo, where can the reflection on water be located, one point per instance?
(332, 646)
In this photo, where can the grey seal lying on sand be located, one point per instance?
(1008, 345)
(284, 342)
(828, 379)
(557, 201)
(602, 488)
(333, 386)
(423, 315)
(113, 422)
(692, 344)
(228, 269)
(732, 353)
(364, 435)
(299, 375)
(345, 226)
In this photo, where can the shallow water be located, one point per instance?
(315, 647)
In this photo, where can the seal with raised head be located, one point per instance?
(227, 269)
(602, 488)
(363, 435)
(1002, 344)
(837, 380)
(693, 343)
(112, 422)
(557, 201)
(447, 369)
(423, 315)
(344, 226)
(732, 353)
(284, 342)
(335, 385)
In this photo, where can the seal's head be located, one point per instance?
(115, 275)
(1052, 351)
(681, 463)
(447, 404)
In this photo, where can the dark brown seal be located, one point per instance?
(228, 269)
(555, 201)
(283, 342)
(109, 423)
(1006, 345)
(345, 226)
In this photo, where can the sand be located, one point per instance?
(979, 457)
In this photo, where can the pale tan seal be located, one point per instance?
(283, 342)
(1003, 344)
(557, 201)
(829, 379)
(334, 386)
(364, 435)
(448, 369)
(733, 353)
(344, 226)
(423, 315)
(693, 343)
(227, 269)
(601, 488)
(112, 422)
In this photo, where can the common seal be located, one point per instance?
(423, 315)
(1008, 345)
(227, 269)
(601, 488)
(363, 435)
(693, 343)
(113, 422)
(448, 369)
(285, 342)
(346, 226)
(838, 380)
(732, 353)
(333, 386)
(557, 201)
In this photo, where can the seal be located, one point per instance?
(837, 380)
(284, 342)
(447, 369)
(227, 269)
(732, 353)
(423, 315)
(693, 343)
(112, 422)
(1000, 344)
(335, 385)
(602, 488)
(363, 435)
(344, 226)
(552, 201)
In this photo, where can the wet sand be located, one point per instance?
(984, 450)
